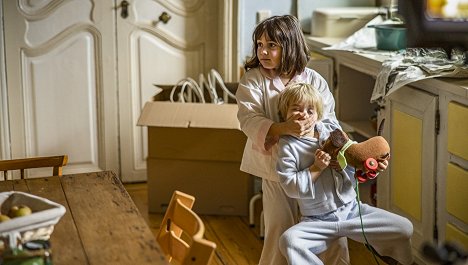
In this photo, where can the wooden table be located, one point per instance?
(102, 225)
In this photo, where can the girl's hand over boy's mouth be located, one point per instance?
(298, 125)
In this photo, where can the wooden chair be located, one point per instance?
(56, 162)
(181, 233)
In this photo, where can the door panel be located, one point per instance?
(61, 99)
(412, 173)
(53, 116)
(406, 163)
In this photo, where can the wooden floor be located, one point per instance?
(237, 243)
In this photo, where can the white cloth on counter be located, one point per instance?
(416, 64)
(404, 66)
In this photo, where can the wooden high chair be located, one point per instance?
(56, 162)
(181, 233)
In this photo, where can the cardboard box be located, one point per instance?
(341, 22)
(196, 148)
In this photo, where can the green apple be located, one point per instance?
(4, 218)
(20, 210)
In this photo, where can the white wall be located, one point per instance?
(247, 20)
(303, 9)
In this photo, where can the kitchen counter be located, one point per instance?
(370, 64)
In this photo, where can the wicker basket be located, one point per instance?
(38, 225)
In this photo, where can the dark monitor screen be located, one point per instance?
(435, 23)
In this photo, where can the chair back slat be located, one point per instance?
(181, 233)
(56, 162)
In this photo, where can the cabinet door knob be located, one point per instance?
(164, 17)
(124, 9)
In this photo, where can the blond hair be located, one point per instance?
(300, 93)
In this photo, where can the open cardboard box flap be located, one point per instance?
(185, 115)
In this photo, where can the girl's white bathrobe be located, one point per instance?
(330, 209)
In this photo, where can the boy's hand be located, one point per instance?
(335, 165)
(322, 159)
(383, 164)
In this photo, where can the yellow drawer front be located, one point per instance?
(457, 195)
(454, 234)
(458, 130)
(406, 163)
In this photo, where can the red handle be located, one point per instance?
(361, 176)
(371, 164)
(371, 174)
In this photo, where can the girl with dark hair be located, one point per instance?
(280, 56)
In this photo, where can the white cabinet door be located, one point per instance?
(408, 186)
(452, 182)
(61, 85)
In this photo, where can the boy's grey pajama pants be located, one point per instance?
(388, 233)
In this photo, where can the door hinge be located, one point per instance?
(437, 122)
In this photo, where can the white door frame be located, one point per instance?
(228, 58)
(4, 129)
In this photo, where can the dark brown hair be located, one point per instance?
(286, 31)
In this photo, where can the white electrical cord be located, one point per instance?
(195, 87)
(209, 83)
(182, 96)
(215, 76)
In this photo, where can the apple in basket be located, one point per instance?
(4, 218)
(18, 211)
